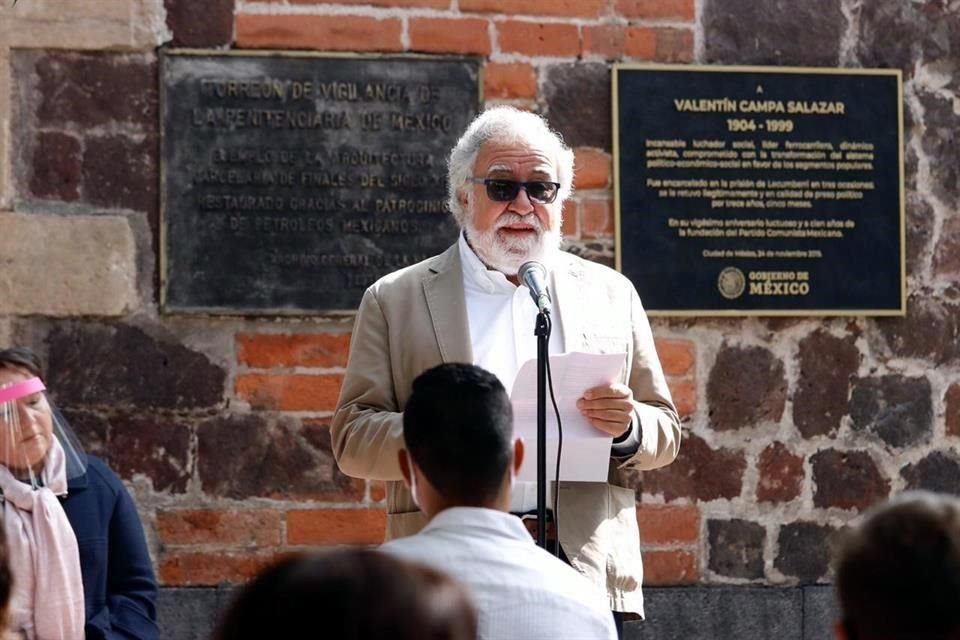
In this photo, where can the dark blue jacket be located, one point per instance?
(119, 589)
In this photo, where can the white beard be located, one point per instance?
(507, 254)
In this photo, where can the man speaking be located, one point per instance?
(508, 177)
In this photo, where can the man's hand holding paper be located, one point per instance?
(593, 409)
(608, 407)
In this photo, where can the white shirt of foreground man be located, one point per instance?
(416, 318)
(519, 590)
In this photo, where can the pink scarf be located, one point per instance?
(47, 599)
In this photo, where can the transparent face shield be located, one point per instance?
(34, 436)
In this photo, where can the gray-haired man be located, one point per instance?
(508, 177)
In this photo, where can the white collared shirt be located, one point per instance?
(502, 317)
(520, 590)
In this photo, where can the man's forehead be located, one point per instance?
(509, 156)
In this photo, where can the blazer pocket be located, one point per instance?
(606, 343)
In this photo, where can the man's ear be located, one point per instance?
(463, 198)
(405, 469)
(518, 451)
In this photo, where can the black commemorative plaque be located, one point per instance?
(760, 191)
(292, 182)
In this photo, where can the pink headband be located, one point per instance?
(25, 388)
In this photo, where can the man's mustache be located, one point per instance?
(514, 218)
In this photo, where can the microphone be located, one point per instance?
(534, 275)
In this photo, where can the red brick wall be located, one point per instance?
(220, 425)
(298, 371)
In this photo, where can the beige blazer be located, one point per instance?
(416, 318)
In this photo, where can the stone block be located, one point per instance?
(63, 266)
(847, 480)
(938, 471)
(714, 613)
(941, 122)
(121, 171)
(804, 550)
(200, 24)
(106, 24)
(701, 473)
(242, 456)
(91, 428)
(133, 444)
(781, 474)
(86, 90)
(896, 408)
(952, 401)
(928, 332)
(920, 221)
(56, 167)
(746, 387)
(577, 103)
(827, 365)
(123, 366)
(736, 548)
(188, 614)
(151, 446)
(946, 256)
(903, 34)
(820, 612)
(774, 33)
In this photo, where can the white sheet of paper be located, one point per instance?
(586, 449)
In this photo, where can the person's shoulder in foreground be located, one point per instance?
(349, 593)
(898, 572)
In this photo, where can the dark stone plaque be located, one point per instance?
(760, 191)
(292, 182)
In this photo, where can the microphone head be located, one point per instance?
(531, 266)
(534, 275)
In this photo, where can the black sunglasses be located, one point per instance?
(498, 190)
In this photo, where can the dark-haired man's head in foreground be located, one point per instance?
(460, 449)
(898, 573)
(350, 594)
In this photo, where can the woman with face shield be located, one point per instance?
(77, 552)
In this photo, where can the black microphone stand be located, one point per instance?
(542, 331)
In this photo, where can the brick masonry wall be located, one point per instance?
(220, 425)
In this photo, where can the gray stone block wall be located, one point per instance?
(679, 613)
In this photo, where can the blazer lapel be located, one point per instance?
(569, 295)
(443, 290)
